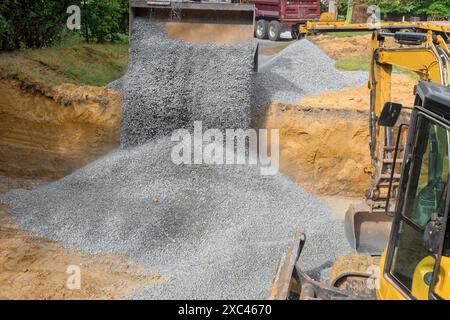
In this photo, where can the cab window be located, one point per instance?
(425, 195)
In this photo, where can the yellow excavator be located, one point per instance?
(401, 232)
(426, 54)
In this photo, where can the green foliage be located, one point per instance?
(436, 8)
(105, 19)
(31, 23)
(396, 6)
(41, 23)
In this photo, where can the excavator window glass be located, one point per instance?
(425, 196)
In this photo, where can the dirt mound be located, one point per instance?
(346, 47)
(358, 98)
(50, 134)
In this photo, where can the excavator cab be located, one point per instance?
(416, 262)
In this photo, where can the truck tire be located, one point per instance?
(295, 32)
(261, 29)
(274, 30)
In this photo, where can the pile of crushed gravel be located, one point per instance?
(298, 70)
(210, 231)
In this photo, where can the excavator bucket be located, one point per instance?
(200, 22)
(367, 232)
(291, 283)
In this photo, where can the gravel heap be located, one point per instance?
(212, 232)
(171, 83)
(301, 69)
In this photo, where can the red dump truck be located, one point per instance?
(276, 16)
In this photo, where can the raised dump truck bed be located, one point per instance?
(218, 22)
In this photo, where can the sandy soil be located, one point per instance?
(323, 150)
(209, 32)
(45, 135)
(324, 138)
(36, 268)
(48, 134)
(358, 98)
(347, 47)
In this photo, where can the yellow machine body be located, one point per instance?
(386, 290)
(368, 227)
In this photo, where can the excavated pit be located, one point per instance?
(324, 150)
(49, 134)
(214, 231)
(44, 140)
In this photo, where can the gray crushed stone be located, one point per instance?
(298, 70)
(214, 232)
(116, 84)
(172, 83)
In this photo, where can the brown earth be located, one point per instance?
(36, 268)
(347, 47)
(324, 138)
(46, 134)
(358, 98)
(323, 150)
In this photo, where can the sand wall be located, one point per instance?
(48, 135)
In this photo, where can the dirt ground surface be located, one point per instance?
(37, 268)
(323, 150)
(347, 47)
(48, 134)
(324, 138)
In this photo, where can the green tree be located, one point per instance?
(38, 23)
(396, 6)
(31, 23)
(106, 19)
(439, 9)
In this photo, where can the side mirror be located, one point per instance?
(390, 113)
(432, 234)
